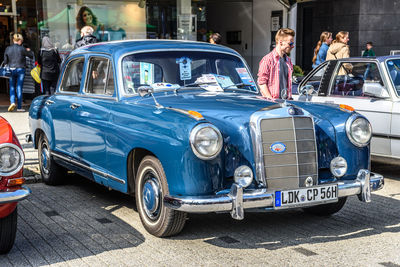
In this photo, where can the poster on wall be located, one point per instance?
(111, 20)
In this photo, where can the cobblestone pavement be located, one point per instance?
(83, 224)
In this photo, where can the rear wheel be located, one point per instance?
(8, 229)
(327, 209)
(52, 173)
(151, 187)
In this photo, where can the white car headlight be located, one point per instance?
(358, 130)
(206, 141)
(11, 159)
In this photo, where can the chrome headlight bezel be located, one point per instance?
(21, 161)
(193, 140)
(337, 164)
(349, 123)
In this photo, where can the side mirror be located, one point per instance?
(307, 90)
(145, 91)
(375, 90)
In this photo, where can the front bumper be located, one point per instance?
(239, 199)
(14, 195)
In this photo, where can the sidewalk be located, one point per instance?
(5, 101)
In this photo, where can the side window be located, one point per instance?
(316, 79)
(100, 77)
(352, 78)
(73, 76)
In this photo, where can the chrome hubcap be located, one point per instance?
(45, 159)
(151, 197)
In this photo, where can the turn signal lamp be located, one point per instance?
(15, 181)
(346, 107)
(195, 114)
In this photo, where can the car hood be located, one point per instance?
(231, 113)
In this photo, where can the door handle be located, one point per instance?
(74, 106)
(49, 102)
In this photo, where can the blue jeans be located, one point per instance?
(16, 82)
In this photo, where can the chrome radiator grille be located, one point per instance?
(291, 168)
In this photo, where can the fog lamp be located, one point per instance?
(338, 166)
(243, 176)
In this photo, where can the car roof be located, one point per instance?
(380, 58)
(118, 48)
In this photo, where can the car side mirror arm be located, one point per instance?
(148, 91)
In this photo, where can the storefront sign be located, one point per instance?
(275, 24)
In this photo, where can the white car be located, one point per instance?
(369, 85)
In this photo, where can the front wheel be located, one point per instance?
(8, 229)
(151, 187)
(52, 173)
(327, 209)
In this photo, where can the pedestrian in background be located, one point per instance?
(14, 57)
(215, 38)
(87, 37)
(339, 49)
(321, 49)
(275, 69)
(369, 52)
(49, 60)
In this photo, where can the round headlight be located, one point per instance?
(206, 141)
(358, 130)
(11, 159)
(338, 166)
(243, 176)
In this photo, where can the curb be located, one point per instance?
(33, 179)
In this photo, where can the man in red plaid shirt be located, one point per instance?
(275, 70)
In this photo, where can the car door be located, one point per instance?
(90, 117)
(392, 66)
(348, 86)
(59, 104)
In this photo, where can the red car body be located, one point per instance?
(11, 180)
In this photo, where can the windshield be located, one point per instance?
(393, 66)
(178, 69)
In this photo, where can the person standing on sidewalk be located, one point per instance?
(49, 60)
(275, 69)
(339, 49)
(369, 52)
(321, 49)
(14, 57)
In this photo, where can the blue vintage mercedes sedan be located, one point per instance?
(182, 127)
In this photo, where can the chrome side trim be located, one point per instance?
(75, 162)
(239, 199)
(13, 195)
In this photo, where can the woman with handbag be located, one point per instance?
(49, 60)
(14, 58)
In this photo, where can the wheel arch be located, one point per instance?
(38, 132)
(135, 156)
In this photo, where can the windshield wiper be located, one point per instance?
(193, 85)
(238, 85)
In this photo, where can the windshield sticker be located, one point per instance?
(245, 76)
(146, 73)
(185, 68)
(156, 86)
(214, 82)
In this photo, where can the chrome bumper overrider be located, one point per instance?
(14, 195)
(239, 198)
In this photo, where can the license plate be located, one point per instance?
(306, 196)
